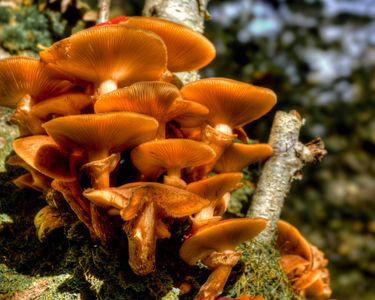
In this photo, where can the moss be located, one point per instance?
(29, 29)
(260, 274)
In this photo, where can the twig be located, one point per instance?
(282, 168)
(103, 11)
(191, 13)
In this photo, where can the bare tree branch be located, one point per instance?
(103, 11)
(282, 168)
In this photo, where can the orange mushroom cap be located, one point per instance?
(123, 55)
(105, 133)
(230, 102)
(238, 156)
(171, 201)
(187, 50)
(43, 154)
(67, 104)
(290, 241)
(152, 158)
(219, 237)
(32, 180)
(158, 99)
(152, 98)
(21, 76)
(215, 187)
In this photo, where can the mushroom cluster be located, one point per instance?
(106, 122)
(303, 263)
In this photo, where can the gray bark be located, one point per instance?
(289, 157)
(104, 7)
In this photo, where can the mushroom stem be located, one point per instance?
(72, 195)
(160, 134)
(106, 87)
(142, 240)
(224, 128)
(99, 178)
(173, 178)
(222, 264)
(219, 141)
(26, 122)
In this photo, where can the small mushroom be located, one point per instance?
(157, 99)
(238, 156)
(63, 105)
(109, 56)
(290, 241)
(303, 263)
(187, 49)
(43, 154)
(32, 180)
(213, 188)
(142, 206)
(214, 244)
(25, 81)
(171, 155)
(101, 135)
(232, 104)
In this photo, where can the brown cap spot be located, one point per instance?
(124, 55)
(230, 102)
(187, 50)
(219, 237)
(238, 156)
(152, 158)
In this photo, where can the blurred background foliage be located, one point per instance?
(319, 57)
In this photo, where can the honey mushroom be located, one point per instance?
(187, 49)
(24, 82)
(303, 263)
(31, 180)
(238, 156)
(214, 245)
(232, 104)
(171, 156)
(109, 56)
(143, 205)
(63, 105)
(101, 135)
(42, 153)
(214, 189)
(157, 99)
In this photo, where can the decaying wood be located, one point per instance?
(282, 168)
